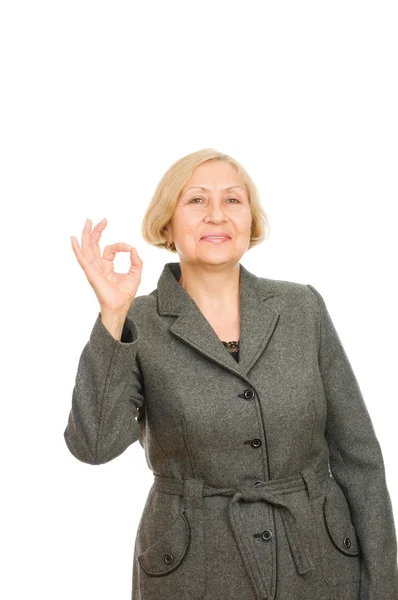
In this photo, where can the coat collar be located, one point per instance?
(257, 318)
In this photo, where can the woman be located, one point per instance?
(269, 480)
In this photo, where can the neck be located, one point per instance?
(214, 287)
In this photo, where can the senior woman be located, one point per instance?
(269, 480)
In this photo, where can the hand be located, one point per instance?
(115, 291)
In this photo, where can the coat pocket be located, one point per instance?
(338, 521)
(173, 565)
(168, 551)
(340, 549)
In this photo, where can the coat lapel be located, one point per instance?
(257, 318)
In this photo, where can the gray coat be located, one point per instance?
(269, 480)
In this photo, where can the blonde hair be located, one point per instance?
(168, 190)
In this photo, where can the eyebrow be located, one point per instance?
(204, 187)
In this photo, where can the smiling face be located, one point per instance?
(213, 210)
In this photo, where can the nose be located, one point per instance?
(215, 211)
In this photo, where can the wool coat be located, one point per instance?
(269, 481)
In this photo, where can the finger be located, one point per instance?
(90, 242)
(135, 260)
(95, 237)
(86, 236)
(78, 253)
(111, 251)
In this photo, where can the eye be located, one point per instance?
(198, 198)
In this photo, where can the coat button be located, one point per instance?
(266, 535)
(168, 558)
(248, 394)
(256, 442)
(347, 542)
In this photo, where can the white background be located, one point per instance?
(97, 100)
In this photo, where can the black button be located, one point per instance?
(247, 394)
(256, 442)
(168, 558)
(266, 535)
(347, 542)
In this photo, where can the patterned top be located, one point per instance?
(233, 348)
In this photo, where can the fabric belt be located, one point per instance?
(273, 491)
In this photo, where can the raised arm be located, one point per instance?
(108, 397)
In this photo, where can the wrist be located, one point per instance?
(114, 321)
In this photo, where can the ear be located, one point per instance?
(167, 233)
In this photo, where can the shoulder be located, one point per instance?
(301, 300)
(293, 290)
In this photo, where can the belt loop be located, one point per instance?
(312, 481)
(193, 493)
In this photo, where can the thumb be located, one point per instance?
(134, 258)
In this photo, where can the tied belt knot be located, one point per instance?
(273, 491)
(261, 491)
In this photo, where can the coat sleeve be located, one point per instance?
(357, 464)
(108, 396)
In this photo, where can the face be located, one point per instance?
(216, 210)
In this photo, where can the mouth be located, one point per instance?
(215, 239)
(216, 235)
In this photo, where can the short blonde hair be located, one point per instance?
(168, 190)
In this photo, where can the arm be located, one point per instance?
(357, 464)
(108, 392)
